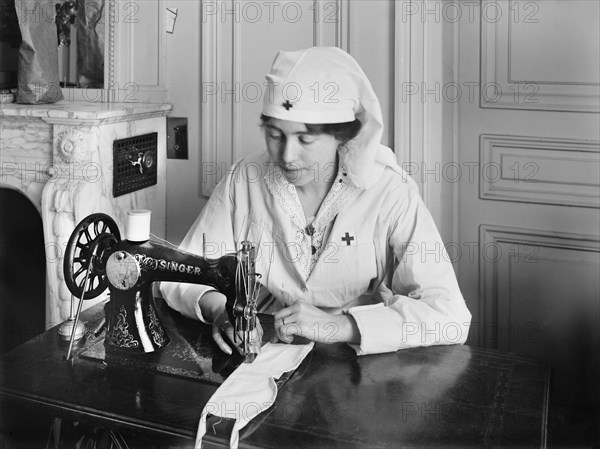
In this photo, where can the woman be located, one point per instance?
(347, 247)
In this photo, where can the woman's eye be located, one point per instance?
(306, 139)
(275, 136)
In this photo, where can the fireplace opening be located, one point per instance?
(22, 270)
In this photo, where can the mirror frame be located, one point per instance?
(108, 93)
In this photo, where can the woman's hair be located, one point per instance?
(343, 132)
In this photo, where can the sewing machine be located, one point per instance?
(96, 257)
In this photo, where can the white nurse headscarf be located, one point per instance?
(321, 85)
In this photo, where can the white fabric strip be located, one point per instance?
(251, 388)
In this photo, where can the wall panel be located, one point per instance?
(537, 300)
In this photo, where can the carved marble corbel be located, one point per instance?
(68, 194)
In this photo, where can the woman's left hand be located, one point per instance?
(310, 322)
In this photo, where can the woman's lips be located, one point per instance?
(293, 169)
(292, 174)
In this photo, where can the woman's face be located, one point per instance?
(304, 158)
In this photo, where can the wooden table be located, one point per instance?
(443, 396)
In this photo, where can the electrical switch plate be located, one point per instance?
(177, 138)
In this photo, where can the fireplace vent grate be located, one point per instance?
(134, 163)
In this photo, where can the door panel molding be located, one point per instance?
(500, 90)
(523, 244)
(539, 170)
(137, 76)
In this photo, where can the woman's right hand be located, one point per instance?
(213, 310)
(212, 305)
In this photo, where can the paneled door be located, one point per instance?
(532, 129)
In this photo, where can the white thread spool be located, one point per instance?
(137, 228)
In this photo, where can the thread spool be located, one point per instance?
(137, 228)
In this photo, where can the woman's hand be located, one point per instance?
(310, 322)
(214, 311)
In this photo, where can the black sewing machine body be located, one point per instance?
(129, 269)
(132, 268)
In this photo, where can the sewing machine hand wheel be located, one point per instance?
(93, 237)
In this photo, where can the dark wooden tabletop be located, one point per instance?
(442, 396)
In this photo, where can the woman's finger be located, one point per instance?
(218, 338)
(285, 316)
(285, 333)
(282, 320)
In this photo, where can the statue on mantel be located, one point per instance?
(66, 13)
(90, 44)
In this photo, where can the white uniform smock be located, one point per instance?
(359, 241)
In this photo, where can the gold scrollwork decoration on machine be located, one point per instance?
(120, 335)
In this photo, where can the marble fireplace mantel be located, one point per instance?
(60, 156)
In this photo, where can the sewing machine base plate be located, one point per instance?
(95, 351)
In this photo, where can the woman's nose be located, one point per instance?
(289, 151)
